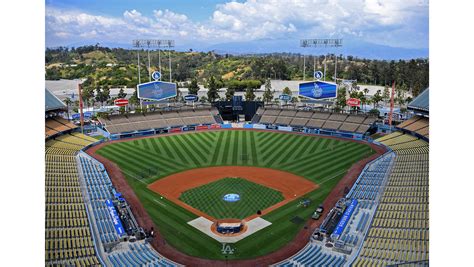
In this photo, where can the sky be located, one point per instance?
(395, 23)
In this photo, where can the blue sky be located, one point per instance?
(402, 23)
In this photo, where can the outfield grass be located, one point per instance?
(253, 197)
(321, 160)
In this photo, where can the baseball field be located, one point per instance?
(322, 162)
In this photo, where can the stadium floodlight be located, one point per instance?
(324, 42)
(153, 43)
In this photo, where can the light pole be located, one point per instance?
(322, 43)
(148, 43)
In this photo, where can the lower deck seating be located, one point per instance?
(138, 254)
(313, 255)
(68, 239)
(399, 232)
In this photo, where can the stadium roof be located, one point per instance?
(421, 102)
(52, 102)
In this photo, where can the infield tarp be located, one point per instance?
(318, 90)
(156, 90)
(345, 218)
(115, 218)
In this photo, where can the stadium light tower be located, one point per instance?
(150, 43)
(321, 43)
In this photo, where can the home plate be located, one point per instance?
(253, 226)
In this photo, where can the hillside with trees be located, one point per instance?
(106, 68)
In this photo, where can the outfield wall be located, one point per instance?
(346, 135)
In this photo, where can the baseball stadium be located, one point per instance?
(237, 183)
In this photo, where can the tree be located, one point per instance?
(121, 94)
(374, 112)
(294, 100)
(386, 94)
(122, 110)
(229, 93)
(249, 94)
(212, 90)
(377, 98)
(286, 91)
(134, 98)
(87, 95)
(68, 102)
(341, 99)
(178, 97)
(268, 94)
(193, 87)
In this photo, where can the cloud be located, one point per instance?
(372, 20)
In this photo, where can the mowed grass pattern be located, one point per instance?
(321, 160)
(209, 198)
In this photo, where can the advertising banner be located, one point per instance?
(260, 126)
(202, 127)
(285, 128)
(318, 90)
(248, 126)
(237, 125)
(175, 130)
(115, 218)
(215, 126)
(353, 102)
(345, 218)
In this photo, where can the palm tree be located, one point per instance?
(68, 102)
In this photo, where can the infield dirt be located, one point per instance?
(290, 185)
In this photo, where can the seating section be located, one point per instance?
(371, 180)
(164, 119)
(314, 255)
(399, 232)
(98, 186)
(138, 254)
(68, 240)
(417, 124)
(314, 119)
(56, 125)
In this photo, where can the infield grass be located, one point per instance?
(321, 160)
(209, 198)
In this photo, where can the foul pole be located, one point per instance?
(81, 106)
(390, 114)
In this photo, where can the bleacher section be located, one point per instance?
(56, 125)
(67, 235)
(314, 119)
(99, 188)
(399, 232)
(313, 255)
(416, 124)
(156, 120)
(138, 254)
